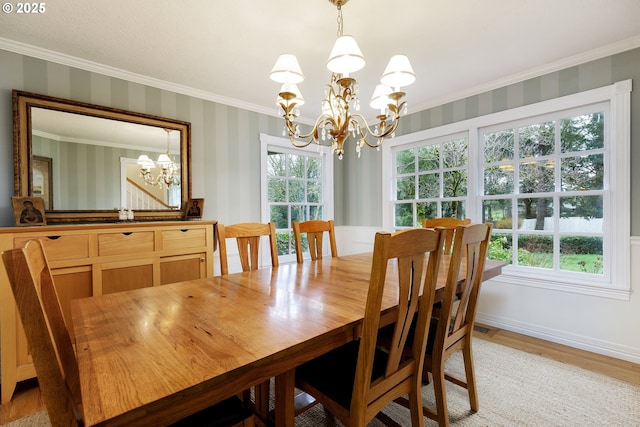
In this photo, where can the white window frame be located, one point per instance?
(617, 183)
(283, 145)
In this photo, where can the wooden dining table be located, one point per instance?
(154, 355)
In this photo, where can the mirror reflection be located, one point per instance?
(94, 163)
(88, 161)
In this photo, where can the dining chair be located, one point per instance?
(247, 235)
(356, 381)
(448, 224)
(52, 349)
(453, 329)
(315, 230)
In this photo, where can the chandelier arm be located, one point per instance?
(381, 136)
(312, 135)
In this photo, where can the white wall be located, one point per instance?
(597, 324)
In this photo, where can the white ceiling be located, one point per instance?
(224, 50)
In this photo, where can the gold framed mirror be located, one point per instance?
(84, 160)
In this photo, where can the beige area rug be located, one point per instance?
(515, 389)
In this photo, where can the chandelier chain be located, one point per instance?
(340, 20)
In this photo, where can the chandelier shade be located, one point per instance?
(345, 57)
(291, 89)
(339, 118)
(169, 170)
(287, 70)
(398, 73)
(380, 98)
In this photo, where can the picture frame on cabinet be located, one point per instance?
(194, 209)
(28, 211)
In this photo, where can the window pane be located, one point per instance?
(581, 253)
(428, 158)
(277, 190)
(498, 180)
(298, 213)
(582, 133)
(537, 177)
(296, 166)
(498, 212)
(455, 183)
(428, 186)
(535, 213)
(455, 154)
(404, 215)
(296, 191)
(405, 162)
(315, 212)
(500, 247)
(498, 146)
(537, 140)
(314, 167)
(453, 209)
(405, 188)
(582, 173)
(535, 251)
(426, 210)
(275, 164)
(280, 215)
(314, 192)
(581, 214)
(283, 243)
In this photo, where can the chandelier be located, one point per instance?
(169, 170)
(337, 120)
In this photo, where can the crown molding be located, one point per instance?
(83, 64)
(95, 67)
(572, 61)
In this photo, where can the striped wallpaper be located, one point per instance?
(225, 139)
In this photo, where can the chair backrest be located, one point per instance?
(448, 224)
(409, 248)
(247, 235)
(48, 338)
(315, 230)
(467, 261)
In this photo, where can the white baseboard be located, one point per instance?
(559, 337)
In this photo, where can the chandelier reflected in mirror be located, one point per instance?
(338, 120)
(169, 170)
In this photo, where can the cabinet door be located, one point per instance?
(72, 283)
(183, 267)
(125, 276)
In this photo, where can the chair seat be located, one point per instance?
(333, 373)
(228, 413)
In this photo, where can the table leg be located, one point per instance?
(284, 390)
(262, 401)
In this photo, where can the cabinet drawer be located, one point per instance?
(184, 238)
(60, 247)
(125, 243)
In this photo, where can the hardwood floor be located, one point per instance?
(27, 399)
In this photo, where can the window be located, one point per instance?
(297, 186)
(430, 181)
(552, 178)
(544, 192)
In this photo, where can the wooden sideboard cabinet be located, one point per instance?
(96, 259)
